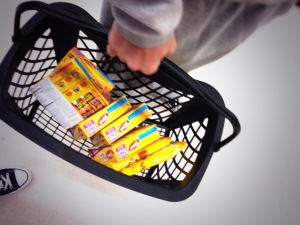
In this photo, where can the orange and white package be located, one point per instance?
(121, 126)
(100, 119)
(141, 154)
(135, 140)
(156, 158)
(69, 95)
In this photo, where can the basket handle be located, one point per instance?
(226, 113)
(69, 13)
(199, 90)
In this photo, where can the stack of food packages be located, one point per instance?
(77, 94)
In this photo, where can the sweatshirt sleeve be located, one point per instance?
(263, 2)
(146, 23)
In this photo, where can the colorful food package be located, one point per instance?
(100, 119)
(154, 159)
(69, 95)
(140, 154)
(125, 123)
(97, 139)
(129, 144)
(97, 76)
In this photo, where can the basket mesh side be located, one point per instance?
(36, 64)
(163, 102)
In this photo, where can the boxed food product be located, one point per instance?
(140, 154)
(156, 158)
(69, 95)
(132, 142)
(125, 123)
(98, 139)
(100, 119)
(97, 77)
(95, 74)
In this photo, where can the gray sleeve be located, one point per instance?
(147, 23)
(263, 2)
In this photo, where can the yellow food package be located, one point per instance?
(125, 123)
(141, 154)
(97, 139)
(156, 158)
(132, 142)
(69, 95)
(96, 75)
(100, 119)
(101, 154)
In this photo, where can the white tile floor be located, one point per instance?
(253, 180)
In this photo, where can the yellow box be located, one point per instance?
(135, 140)
(100, 119)
(69, 95)
(98, 139)
(156, 158)
(140, 154)
(102, 154)
(105, 95)
(125, 123)
(96, 75)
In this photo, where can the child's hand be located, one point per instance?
(146, 60)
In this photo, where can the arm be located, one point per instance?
(143, 32)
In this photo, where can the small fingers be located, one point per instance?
(110, 51)
(147, 67)
(146, 63)
(150, 68)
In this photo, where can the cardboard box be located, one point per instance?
(162, 155)
(132, 142)
(94, 73)
(100, 119)
(69, 95)
(138, 114)
(140, 154)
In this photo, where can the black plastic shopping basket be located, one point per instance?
(182, 108)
